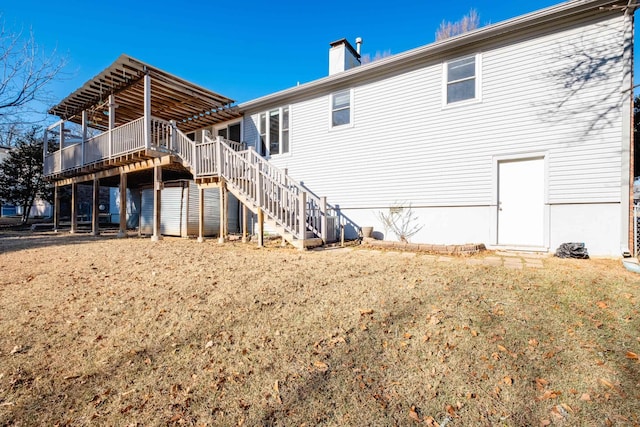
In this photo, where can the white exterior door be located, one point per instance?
(521, 202)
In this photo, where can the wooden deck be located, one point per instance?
(299, 216)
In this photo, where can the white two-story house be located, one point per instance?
(516, 135)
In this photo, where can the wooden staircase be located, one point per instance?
(300, 217)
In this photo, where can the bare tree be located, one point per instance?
(25, 71)
(468, 22)
(367, 58)
(401, 221)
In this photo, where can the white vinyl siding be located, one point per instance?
(442, 158)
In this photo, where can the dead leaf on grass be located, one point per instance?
(276, 388)
(431, 422)
(321, 366)
(17, 349)
(451, 411)
(413, 414)
(366, 311)
(550, 394)
(631, 355)
(585, 397)
(602, 304)
(71, 377)
(560, 412)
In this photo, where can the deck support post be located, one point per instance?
(147, 111)
(56, 207)
(244, 223)
(122, 232)
(223, 212)
(139, 197)
(157, 195)
(323, 219)
(112, 121)
(260, 228)
(95, 211)
(74, 208)
(200, 214)
(85, 122)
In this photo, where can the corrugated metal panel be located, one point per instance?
(179, 212)
(192, 209)
(173, 210)
(146, 211)
(211, 210)
(405, 147)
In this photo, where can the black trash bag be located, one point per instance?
(572, 250)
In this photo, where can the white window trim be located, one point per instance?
(345, 126)
(478, 77)
(267, 142)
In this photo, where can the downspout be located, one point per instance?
(627, 232)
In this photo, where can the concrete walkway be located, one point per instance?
(514, 260)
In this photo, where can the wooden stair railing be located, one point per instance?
(256, 183)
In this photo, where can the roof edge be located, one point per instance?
(559, 11)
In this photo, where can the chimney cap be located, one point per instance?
(347, 45)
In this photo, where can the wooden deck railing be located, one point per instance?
(129, 137)
(122, 140)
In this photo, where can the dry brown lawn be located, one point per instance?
(105, 331)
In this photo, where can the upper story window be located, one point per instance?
(341, 108)
(462, 79)
(274, 131)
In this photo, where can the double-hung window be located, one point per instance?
(341, 108)
(462, 79)
(274, 131)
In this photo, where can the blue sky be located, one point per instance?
(241, 49)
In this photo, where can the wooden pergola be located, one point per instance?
(136, 85)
